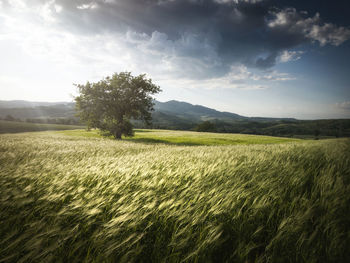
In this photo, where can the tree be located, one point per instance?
(110, 103)
(9, 118)
(317, 133)
(206, 126)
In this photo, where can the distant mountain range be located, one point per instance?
(23, 110)
(28, 104)
(184, 116)
(200, 113)
(173, 109)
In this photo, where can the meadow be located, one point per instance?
(16, 126)
(189, 138)
(166, 196)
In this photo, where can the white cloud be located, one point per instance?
(287, 56)
(311, 28)
(239, 77)
(241, 73)
(277, 76)
(91, 5)
(186, 62)
(343, 105)
(48, 10)
(245, 1)
(58, 8)
(187, 56)
(342, 109)
(329, 34)
(293, 19)
(210, 84)
(18, 4)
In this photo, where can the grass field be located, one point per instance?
(71, 196)
(188, 138)
(14, 127)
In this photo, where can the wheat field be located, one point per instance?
(69, 198)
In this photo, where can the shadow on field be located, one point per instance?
(137, 130)
(153, 141)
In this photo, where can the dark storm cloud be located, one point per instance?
(251, 32)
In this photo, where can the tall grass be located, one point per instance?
(188, 137)
(77, 199)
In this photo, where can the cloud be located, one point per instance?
(213, 42)
(343, 105)
(91, 5)
(329, 34)
(223, 83)
(245, 31)
(267, 62)
(239, 77)
(17, 3)
(287, 56)
(238, 1)
(304, 28)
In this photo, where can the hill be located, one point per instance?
(27, 104)
(178, 115)
(65, 110)
(17, 127)
(187, 110)
(195, 112)
(181, 110)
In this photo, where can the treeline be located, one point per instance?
(315, 128)
(285, 128)
(282, 128)
(65, 121)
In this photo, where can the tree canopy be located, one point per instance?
(206, 126)
(110, 103)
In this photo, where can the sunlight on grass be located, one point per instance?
(73, 196)
(188, 137)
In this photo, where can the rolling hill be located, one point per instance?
(183, 110)
(196, 112)
(177, 115)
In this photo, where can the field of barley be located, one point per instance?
(166, 196)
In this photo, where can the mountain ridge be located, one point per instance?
(179, 115)
(185, 108)
(180, 109)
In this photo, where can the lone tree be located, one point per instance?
(110, 103)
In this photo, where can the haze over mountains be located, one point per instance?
(182, 116)
(30, 109)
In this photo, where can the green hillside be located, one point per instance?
(177, 115)
(72, 196)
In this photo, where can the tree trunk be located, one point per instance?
(118, 135)
(118, 132)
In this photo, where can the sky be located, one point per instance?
(271, 58)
